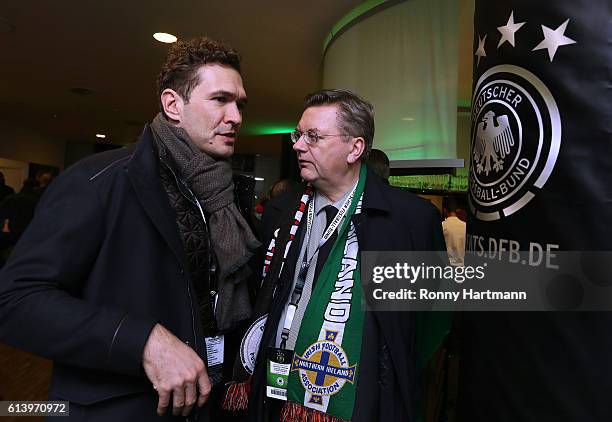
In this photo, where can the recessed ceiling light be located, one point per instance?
(164, 37)
(408, 119)
(82, 91)
(100, 135)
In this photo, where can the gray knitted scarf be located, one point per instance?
(231, 238)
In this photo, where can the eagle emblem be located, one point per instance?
(493, 142)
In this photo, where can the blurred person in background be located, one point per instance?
(4, 189)
(43, 178)
(454, 231)
(379, 163)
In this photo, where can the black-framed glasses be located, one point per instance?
(311, 137)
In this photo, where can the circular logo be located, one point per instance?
(323, 368)
(250, 343)
(516, 136)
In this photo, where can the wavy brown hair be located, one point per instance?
(180, 71)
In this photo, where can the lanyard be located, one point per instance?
(296, 295)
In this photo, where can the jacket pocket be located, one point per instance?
(85, 387)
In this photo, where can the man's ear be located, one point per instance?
(357, 150)
(172, 103)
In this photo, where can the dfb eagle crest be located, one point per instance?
(493, 142)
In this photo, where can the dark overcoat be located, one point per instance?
(101, 263)
(391, 220)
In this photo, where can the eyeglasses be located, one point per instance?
(311, 137)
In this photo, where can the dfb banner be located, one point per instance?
(541, 183)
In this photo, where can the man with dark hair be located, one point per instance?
(135, 265)
(314, 242)
(280, 187)
(379, 163)
(5, 190)
(16, 212)
(43, 178)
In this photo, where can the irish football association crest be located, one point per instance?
(324, 368)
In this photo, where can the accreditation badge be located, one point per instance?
(278, 363)
(215, 353)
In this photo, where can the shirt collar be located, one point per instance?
(321, 201)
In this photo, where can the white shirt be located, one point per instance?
(454, 235)
(319, 225)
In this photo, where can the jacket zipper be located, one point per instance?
(195, 337)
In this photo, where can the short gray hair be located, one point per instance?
(356, 116)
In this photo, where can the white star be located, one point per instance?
(480, 51)
(508, 30)
(554, 39)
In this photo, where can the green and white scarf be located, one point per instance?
(325, 365)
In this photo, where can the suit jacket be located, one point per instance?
(101, 263)
(391, 220)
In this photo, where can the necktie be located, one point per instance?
(330, 213)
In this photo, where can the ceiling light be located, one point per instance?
(408, 119)
(165, 38)
(260, 179)
(82, 91)
(100, 135)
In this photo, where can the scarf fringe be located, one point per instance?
(294, 412)
(237, 397)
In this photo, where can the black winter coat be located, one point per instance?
(391, 220)
(100, 264)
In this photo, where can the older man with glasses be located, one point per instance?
(313, 352)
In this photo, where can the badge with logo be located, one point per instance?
(215, 353)
(324, 368)
(516, 136)
(250, 343)
(278, 367)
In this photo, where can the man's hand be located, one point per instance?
(174, 368)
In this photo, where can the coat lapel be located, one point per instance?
(143, 172)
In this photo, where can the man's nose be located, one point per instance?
(233, 114)
(300, 145)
